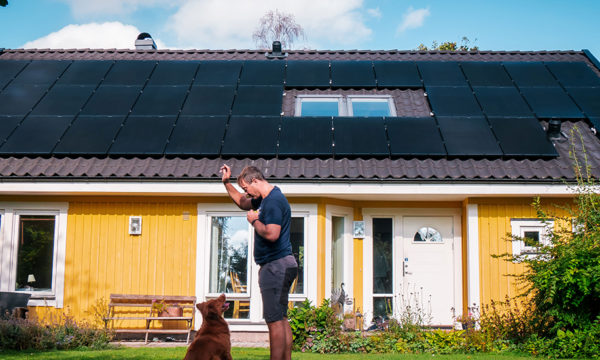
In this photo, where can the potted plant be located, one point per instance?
(349, 322)
(164, 309)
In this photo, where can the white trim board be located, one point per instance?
(345, 190)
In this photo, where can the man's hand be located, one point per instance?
(225, 173)
(252, 215)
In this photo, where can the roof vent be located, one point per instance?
(276, 51)
(553, 132)
(145, 42)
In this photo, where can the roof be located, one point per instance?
(361, 167)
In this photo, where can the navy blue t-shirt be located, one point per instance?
(274, 209)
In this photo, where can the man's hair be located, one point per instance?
(250, 173)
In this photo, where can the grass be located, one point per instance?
(237, 353)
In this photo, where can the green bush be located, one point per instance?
(310, 323)
(22, 334)
(579, 343)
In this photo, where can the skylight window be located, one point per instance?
(347, 105)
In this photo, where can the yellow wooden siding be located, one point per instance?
(102, 258)
(494, 227)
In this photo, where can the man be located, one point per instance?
(270, 214)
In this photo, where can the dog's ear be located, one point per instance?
(201, 307)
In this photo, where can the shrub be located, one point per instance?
(311, 323)
(66, 334)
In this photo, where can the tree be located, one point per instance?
(3, 2)
(451, 45)
(280, 26)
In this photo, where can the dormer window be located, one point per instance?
(345, 105)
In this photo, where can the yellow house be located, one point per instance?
(405, 172)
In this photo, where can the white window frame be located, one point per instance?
(344, 102)
(520, 226)
(255, 322)
(9, 235)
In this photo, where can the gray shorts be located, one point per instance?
(275, 279)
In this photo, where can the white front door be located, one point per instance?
(412, 264)
(428, 264)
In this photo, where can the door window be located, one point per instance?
(383, 276)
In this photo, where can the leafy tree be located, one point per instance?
(280, 26)
(465, 45)
(3, 2)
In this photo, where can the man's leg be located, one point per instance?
(280, 338)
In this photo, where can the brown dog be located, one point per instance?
(212, 341)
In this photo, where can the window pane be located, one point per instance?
(35, 253)
(370, 108)
(531, 238)
(297, 240)
(320, 108)
(229, 255)
(337, 252)
(382, 256)
(383, 307)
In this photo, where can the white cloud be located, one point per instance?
(93, 35)
(240, 239)
(83, 8)
(219, 24)
(412, 19)
(376, 13)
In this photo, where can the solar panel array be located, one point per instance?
(234, 108)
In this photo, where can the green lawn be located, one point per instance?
(238, 353)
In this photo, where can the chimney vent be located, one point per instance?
(145, 42)
(553, 131)
(276, 51)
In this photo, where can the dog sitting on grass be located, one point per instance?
(213, 340)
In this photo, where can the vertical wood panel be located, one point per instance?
(102, 258)
(494, 224)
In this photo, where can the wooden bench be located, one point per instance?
(127, 307)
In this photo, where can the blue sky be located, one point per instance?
(328, 24)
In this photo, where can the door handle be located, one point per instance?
(404, 266)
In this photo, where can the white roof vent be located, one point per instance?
(145, 42)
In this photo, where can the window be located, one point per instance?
(33, 251)
(346, 105)
(428, 234)
(531, 233)
(383, 286)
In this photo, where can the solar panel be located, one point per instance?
(458, 101)
(197, 135)
(481, 73)
(251, 136)
(530, 74)
(63, 100)
(352, 74)
(269, 72)
(218, 73)
(209, 100)
(18, 99)
(435, 73)
(522, 137)
(468, 136)
(143, 135)
(414, 137)
(85, 73)
(112, 100)
(551, 102)
(306, 136)
(574, 73)
(36, 135)
(174, 73)
(41, 72)
(258, 100)
(501, 101)
(403, 74)
(588, 99)
(126, 72)
(307, 74)
(360, 136)
(160, 100)
(9, 69)
(89, 135)
(7, 125)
